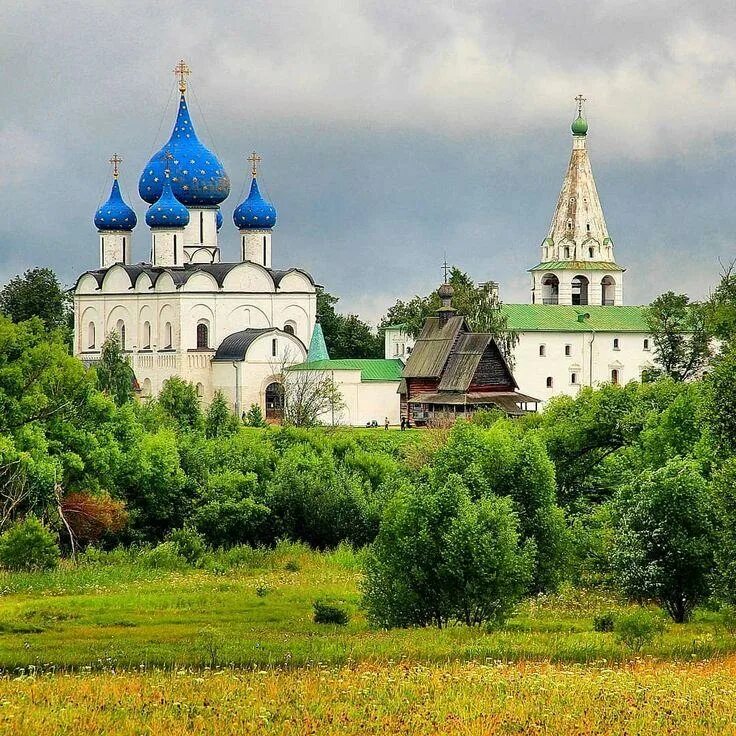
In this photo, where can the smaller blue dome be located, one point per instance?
(218, 219)
(255, 213)
(167, 210)
(115, 214)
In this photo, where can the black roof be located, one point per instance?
(235, 346)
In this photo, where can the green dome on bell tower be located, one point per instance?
(580, 124)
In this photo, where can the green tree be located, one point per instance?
(114, 373)
(178, 398)
(254, 417)
(724, 504)
(220, 421)
(346, 336)
(665, 538)
(440, 557)
(478, 303)
(721, 306)
(681, 338)
(720, 386)
(28, 545)
(37, 293)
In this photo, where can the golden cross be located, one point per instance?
(580, 99)
(445, 267)
(182, 71)
(255, 159)
(115, 160)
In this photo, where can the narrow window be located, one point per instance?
(646, 343)
(242, 248)
(289, 329)
(614, 377)
(201, 227)
(542, 351)
(122, 336)
(202, 337)
(175, 249)
(568, 350)
(573, 378)
(91, 336)
(567, 252)
(264, 250)
(590, 252)
(615, 343)
(146, 335)
(125, 243)
(549, 381)
(169, 336)
(274, 347)
(587, 227)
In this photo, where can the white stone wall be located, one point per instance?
(595, 287)
(397, 344)
(115, 247)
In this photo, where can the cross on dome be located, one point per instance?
(580, 99)
(182, 71)
(115, 160)
(255, 159)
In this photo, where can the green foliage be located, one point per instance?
(329, 613)
(189, 543)
(721, 399)
(681, 338)
(346, 336)
(180, 402)
(28, 545)
(724, 506)
(604, 623)
(664, 544)
(441, 557)
(637, 630)
(37, 293)
(114, 373)
(220, 421)
(164, 556)
(254, 417)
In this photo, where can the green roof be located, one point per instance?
(577, 266)
(563, 318)
(317, 346)
(371, 369)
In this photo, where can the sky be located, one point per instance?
(391, 133)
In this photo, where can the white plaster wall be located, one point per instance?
(397, 344)
(115, 247)
(565, 288)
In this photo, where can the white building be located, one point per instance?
(576, 331)
(227, 325)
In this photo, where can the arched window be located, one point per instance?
(615, 343)
(203, 338)
(590, 252)
(567, 251)
(646, 343)
(91, 335)
(568, 350)
(542, 351)
(146, 335)
(200, 390)
(146, 387)
(274, 347)
(580, 290)
(289, 329)
(550, 289)
(168, 336)
(608, 291)
(274, 400)
(121, 332)
(614, 377)
(573, 378)
(549, 381)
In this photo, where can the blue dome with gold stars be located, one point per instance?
(255, 213)
(167, 211)
(198, 178)
(218, 219)
(115, 214)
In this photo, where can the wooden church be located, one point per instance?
(452, 371)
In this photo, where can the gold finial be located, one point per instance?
(182, 71)
(255, 159)
(115, 160)
(580, 99)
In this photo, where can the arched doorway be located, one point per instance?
(580, 290)
(274, 401)
(550, 289)
(608, 291)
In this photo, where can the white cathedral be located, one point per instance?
(225, 325)
(234, 325)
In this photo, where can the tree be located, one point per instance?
(309, 395)
(90, 516)
(254, 417)
(721, 399)
(441, 557)
(220, 421)
(478, 303)
(37, 293)
(681, 339)
(721, 306)
(28, 545)
(346, 336)
(114, 372)
(665, 538)
(724, 504)
(178, 398)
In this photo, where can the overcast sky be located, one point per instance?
(390, 132)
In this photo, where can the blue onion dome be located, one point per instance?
(168, 211)
(255, 213)
(198, 178)
(218, 219)
(115, 214)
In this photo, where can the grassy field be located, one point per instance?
(124, 649)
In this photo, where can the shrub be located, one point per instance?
(92, 516)
(219, 421)
(728, 618)
(440, 557)
(327, 613)
(638, 629)
(29, 545)
(254, 417)
(164, 556)
(292, 566)
(189, 543)
(604, 622)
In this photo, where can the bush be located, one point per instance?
(327, 613)
(189, 544)
(29, 545)
(728, 618)
(164, 556)
(604, 622)
(638, 629)
(440, 557)
(254, 417)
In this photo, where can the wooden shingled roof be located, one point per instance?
(433, 347)
(464, 359)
